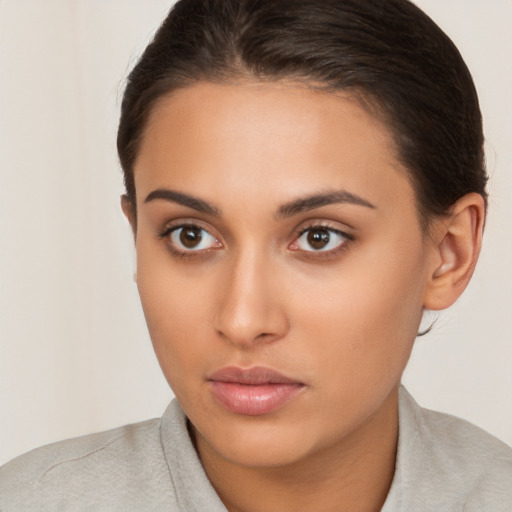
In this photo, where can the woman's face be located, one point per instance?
(281, 266)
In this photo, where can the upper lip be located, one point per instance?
(257, 375)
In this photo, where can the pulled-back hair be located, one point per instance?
(386, 52)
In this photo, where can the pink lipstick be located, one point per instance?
(254, 391)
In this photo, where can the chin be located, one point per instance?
(261, 447)
(253, 442)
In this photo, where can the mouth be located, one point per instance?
(254, 391)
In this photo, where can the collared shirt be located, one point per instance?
(444, 464)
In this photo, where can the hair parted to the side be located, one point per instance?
(386, 51)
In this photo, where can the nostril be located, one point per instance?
(246, 336)
(264, 335)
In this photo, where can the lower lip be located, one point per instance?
(253, 400)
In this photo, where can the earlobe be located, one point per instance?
(457, 242)
(130, 213)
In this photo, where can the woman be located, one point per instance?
(303, 180)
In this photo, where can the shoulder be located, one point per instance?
(478, 463)
(452, 460)
(464, 440)
(124, 465)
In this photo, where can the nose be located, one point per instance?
(251, 311)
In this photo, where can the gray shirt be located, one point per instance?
(443, 464)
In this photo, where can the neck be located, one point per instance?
(354, 475)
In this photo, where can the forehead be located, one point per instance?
(270, 140)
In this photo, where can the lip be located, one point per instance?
(252, 391)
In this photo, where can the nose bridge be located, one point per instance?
(249, 310)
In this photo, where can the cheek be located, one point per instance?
(364, 317)
(176, 313)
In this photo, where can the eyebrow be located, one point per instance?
(287, 210)
(318, 200)
(185, 200)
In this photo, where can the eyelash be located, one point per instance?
(324, 254)
(181, 254)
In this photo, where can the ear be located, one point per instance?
(456, 245)
(130, 213)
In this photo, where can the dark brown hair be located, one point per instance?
(386, 51)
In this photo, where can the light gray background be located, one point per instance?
(75, 356)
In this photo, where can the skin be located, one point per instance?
(341, 321)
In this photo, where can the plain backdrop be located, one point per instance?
(75, 356)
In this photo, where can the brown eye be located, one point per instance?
(190, 237)
(318, 238)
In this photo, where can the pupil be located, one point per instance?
(318, 239)
(190, 237)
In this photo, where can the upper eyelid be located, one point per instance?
(335, 226)
(170, 226)
(319, 227)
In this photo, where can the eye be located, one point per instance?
(187, 238)
(320, 239)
